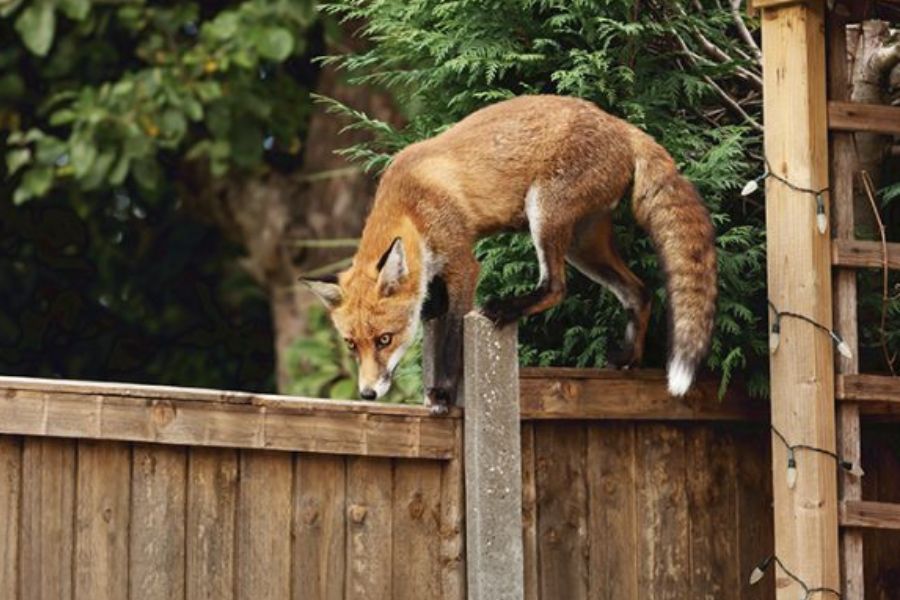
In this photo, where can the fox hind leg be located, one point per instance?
(551, 238)
(594, 254)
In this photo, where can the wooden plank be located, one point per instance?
(755, 522)
(864, 254)
(263, 527)
(101, 521)
(868, 388)
(712, 503)
(852, 116)
(48, 527)
(591, 394)
(612, 520)
(416, 571)
(319, 518)
(263, 423)
(871, 515)
(755, 5)
(529, 514)
(211, 509)
(799, 280)
(453, 542)
(369, 539)
(560, 453)
(663, 530)
(10, 517)
(156, 554)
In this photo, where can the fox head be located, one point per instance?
(375, 308)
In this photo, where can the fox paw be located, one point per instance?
(498, 311)
(438, 399)
(622, 359)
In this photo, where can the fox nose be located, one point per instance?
(368, 394)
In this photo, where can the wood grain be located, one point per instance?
(563, 543)
(611, 473)
(157, 543)
(48, 509)
(868, 388)
(369, 525)
(453, 542)
(320, 512)
(871, 515)
(755, 521)
(209, 536)
(529, 514)
(263, 526)
(101, 521)
(863, 254)
(416, 527)
(10, 504)
(852, 116)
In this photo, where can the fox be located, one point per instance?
(556, 167)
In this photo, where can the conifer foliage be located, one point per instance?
(686, 72)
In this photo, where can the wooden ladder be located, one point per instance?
(855, 393)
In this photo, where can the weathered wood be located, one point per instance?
(319, 527)
(663, 529)
(868, 388)
(529, 514)
(852, 116)
(863, 254)
(48, 509)
(180, 416)
(263, 526)
(493, 465)
(755, 5)
(612, 522)
(369, 539)
(712, 504)
(587, 394)
(417, 530)
(846, 252)
(156, 554)
(755, 523)
(453, 541)
(211, 508)
(799, 280)
(101, 521)
(10, 503)
(871, 515)
(563, 543)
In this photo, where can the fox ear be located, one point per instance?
(392, 268)
(327, 290)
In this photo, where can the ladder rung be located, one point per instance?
(868, 388)
(852, 116)
(863, 254)
(870, 515)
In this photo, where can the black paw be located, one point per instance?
(499, 312)
(622, 359)
(439, 399)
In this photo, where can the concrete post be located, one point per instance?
(493, 467)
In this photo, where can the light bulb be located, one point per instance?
(844, 349)
(749, 187)
(775, 335)
(756, 575)
(857, 470)
(821, 217)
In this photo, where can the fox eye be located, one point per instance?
(351, 345)
(384, 340)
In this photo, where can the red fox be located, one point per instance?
(556, 166)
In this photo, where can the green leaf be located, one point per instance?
(275, 44)
(16, 159)
(223, 26)
(35, 183)
(82, 154)
(75, 9)
(36, 25)
(173, 124)
(342, 390)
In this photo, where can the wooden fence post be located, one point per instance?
(493, 467)
(799, 280)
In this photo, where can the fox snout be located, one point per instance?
(373, 390)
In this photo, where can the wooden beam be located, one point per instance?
(852, 116)
(868, 388)
(799, 280)
(861, 254)
(870, 515)
(166, 415)
(559, 393)
(755, 5)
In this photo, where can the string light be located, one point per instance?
(806, 593)
(792, 471)
(821, 216)
(775, 334)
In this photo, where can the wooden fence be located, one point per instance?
(122, 491)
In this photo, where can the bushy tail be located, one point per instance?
(668, 207)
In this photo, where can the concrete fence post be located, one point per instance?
(493, 462)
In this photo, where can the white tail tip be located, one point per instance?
(681, 376)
